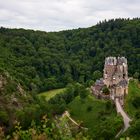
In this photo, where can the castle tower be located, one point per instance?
(116, 75)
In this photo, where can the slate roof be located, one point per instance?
(99, 84)
(123, 83)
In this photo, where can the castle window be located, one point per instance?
(123, 75)
(114, 78)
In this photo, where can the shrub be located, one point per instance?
(106, 90)
(4, 117)
(136, 102)
(89, 108)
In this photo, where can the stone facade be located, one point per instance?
(116, 75)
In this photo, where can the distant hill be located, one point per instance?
(40, 61)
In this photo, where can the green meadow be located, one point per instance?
(97, 115)
(133, 94)
(51, 93)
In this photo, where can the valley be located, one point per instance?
(44, 74)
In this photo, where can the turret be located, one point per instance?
(115, 70)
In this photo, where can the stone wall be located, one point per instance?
(116, 74)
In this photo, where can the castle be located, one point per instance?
(115, 78)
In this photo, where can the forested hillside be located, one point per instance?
(40, 61)
(34, 61)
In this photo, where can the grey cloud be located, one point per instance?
(54, 15)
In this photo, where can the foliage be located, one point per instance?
(136, 75)
(105, 90)
(60, 128)
(132, 107)
(59, 102)
(33, 61)
(136, 102)
(89, 108)
(96, 75)
(134, 130)
(83, 92)
(133, 94)
(3, 117)
(42, 61)
(12, 99)
(101, 120)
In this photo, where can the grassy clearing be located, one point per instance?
(78, 109)
(133, 92)
(51, 93)
(134, 111)
(97, 117)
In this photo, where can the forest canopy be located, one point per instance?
(41, 61)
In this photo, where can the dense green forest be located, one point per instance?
(42, 61)
(34, 61)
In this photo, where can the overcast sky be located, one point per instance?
(55, 15)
